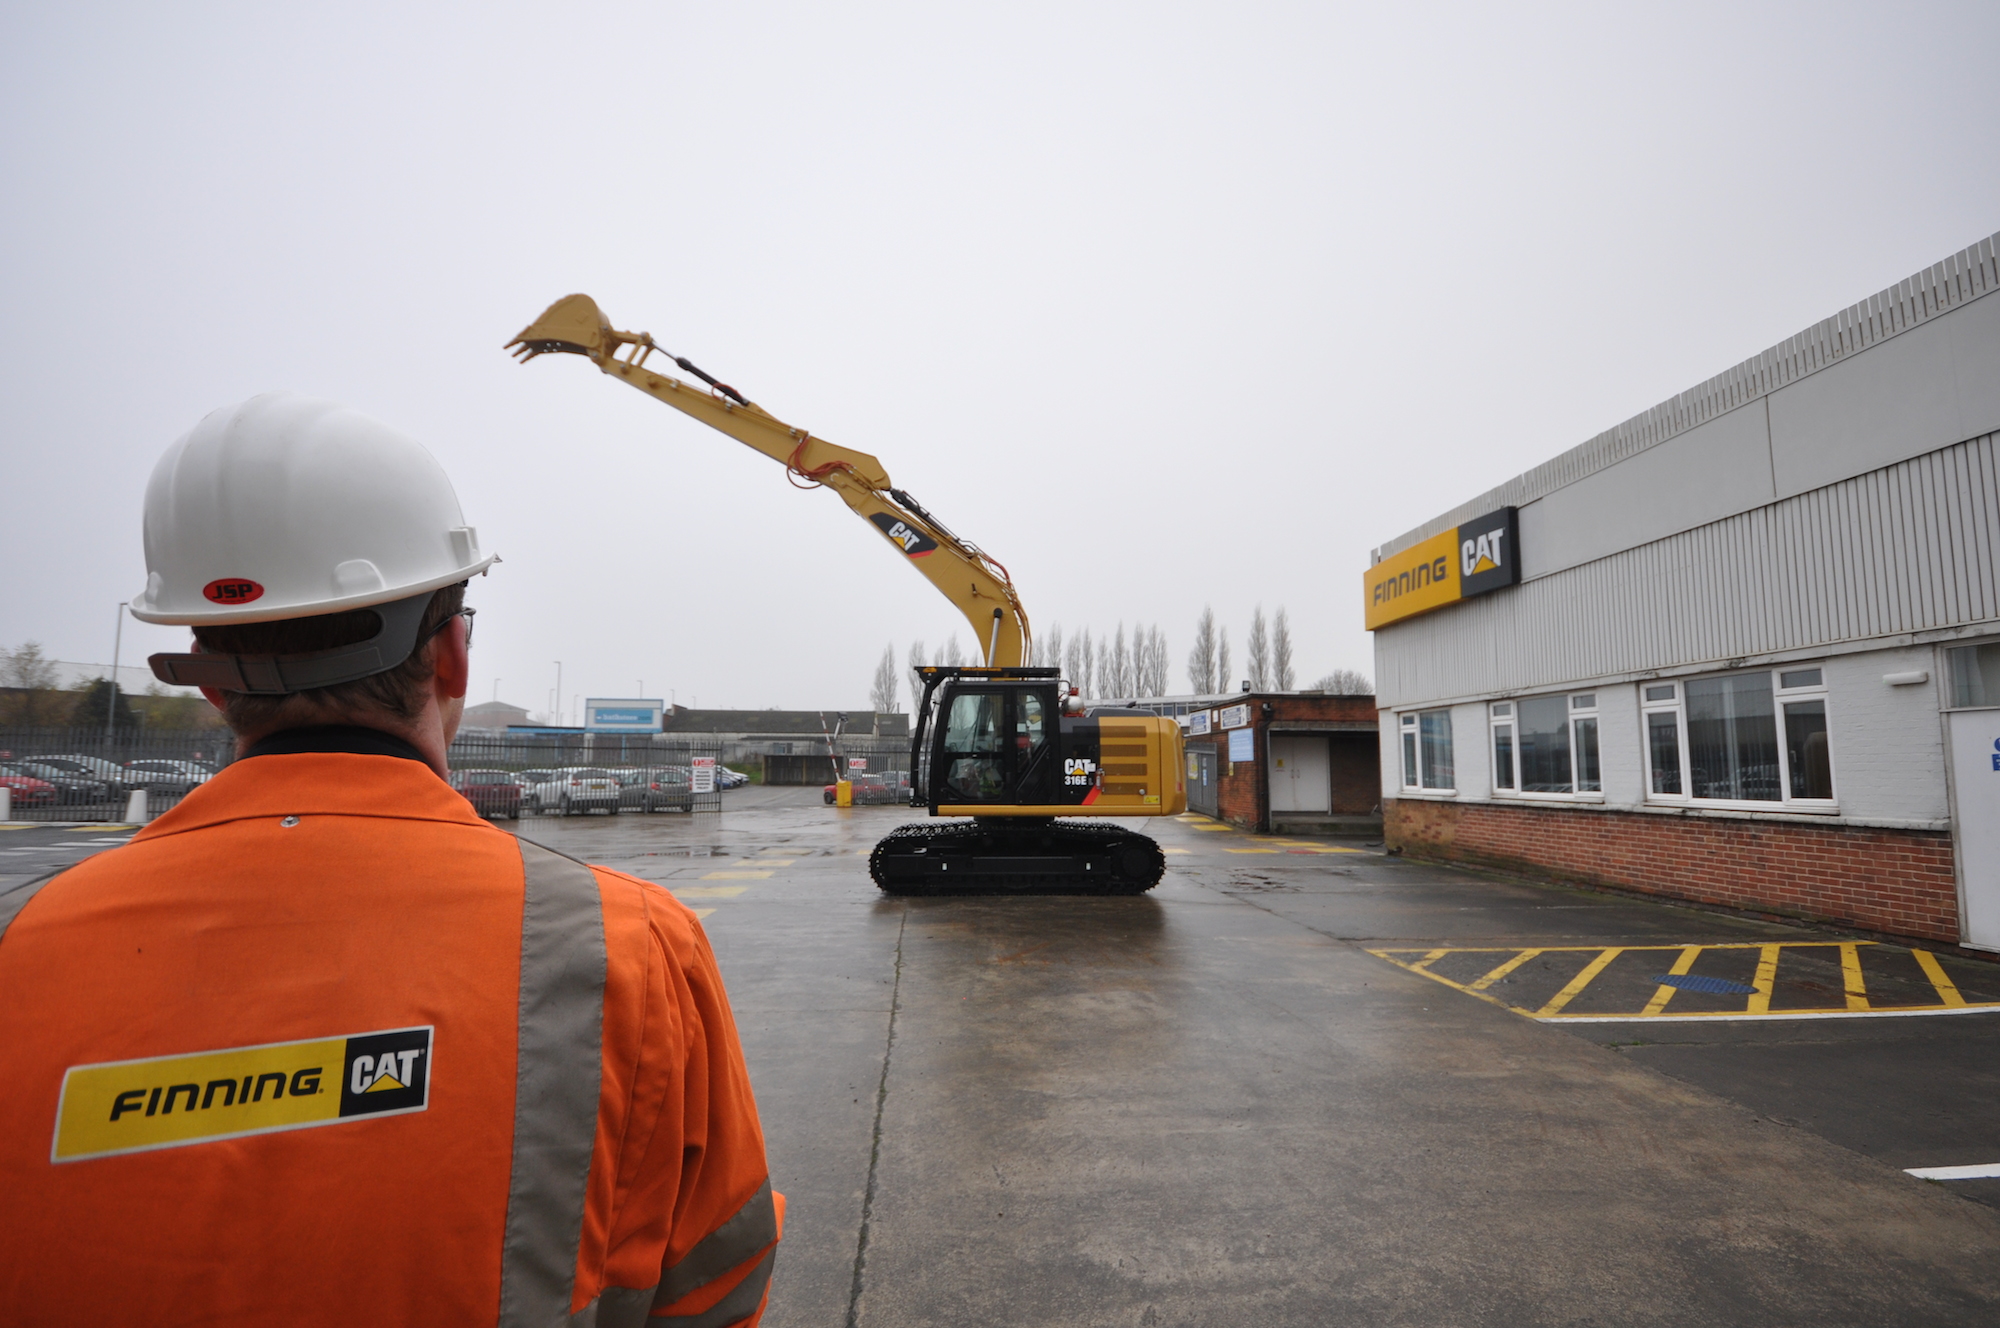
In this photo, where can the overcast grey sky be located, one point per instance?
(1163, 305)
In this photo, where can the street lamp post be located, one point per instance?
(117, 645)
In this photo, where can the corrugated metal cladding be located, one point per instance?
(1909, 548)
(1937, 290)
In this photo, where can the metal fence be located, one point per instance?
(83, 774)
(72, 774)
(879, 756)
(534, 756)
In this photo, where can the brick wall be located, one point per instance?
(1243, 796)
(1895, 881)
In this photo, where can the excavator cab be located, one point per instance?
(986, 738)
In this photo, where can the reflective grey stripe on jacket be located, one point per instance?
(750, 1229)
(17, 898)
(556, 1086)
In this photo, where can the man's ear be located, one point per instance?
(214, 697)
(451, 662)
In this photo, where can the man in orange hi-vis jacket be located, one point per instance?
(321, 1046)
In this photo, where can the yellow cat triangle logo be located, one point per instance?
(1485, 564)
(384, 1084)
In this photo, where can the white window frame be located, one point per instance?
(1409, 754)
(1505, 716)
(1781, 696)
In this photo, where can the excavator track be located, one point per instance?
(1003, 857)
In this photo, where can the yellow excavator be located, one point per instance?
(1002, 748)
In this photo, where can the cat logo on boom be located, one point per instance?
(901, 533)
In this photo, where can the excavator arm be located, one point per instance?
(974, 582)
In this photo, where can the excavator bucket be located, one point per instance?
(572, 324)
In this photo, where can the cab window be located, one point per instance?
(972, 751)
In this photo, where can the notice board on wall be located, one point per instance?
(1242, 744)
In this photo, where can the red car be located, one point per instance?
(869, 790)
(27, 791)
(492, 793)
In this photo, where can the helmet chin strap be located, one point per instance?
(281, 675)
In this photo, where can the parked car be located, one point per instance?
(727, 778)
(531, 781)
(869, 791)
(492, 793)
(71, 789)
(655, 789)
(164, 776)
(578, 789)
(26, 790)
(94, 768)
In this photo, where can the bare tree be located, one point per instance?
(1346, 682)
(1082, 663)
(1281, 651)
(1049, 647)
(1158, 670)
(1121, 664)
(883, 694)
(916, 661)
(950, 653)
(1107, 670)
(1260, 652)
(38, 701)
(1223, 682)
(1201, 659)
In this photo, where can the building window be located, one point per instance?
(1427, 750)
(1739, 737)
(1503, 745)
(1547, 744)
(1975, 674)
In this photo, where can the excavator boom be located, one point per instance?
(976, 584)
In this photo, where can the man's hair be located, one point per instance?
(398, 692)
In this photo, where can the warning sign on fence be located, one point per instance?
(701, 770)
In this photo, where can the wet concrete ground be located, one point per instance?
(1215, 1105)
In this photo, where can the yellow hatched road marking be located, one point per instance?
(1947, 990)
(1758, 1006)
(1421, 966)
(1850, 972)
(702, 912)
(1767, 976)
(736, 876)
(1679, 970)
(1210, 826)
(1579, 982)
(773, 862)
(1176, 850)
(710, 891)
(1250, 850)
(1503, 970)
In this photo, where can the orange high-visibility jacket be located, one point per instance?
(320, 1046)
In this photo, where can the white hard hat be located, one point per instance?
(287, 507)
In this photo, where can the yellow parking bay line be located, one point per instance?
(1679, 970)
(1947, 990)
(710, 891)
(1253, 850)
(772, 862)
(736, 876)
(1757, 1005)
(1850, 972)
(1503, 970)
(1582, 980)
(1176, 850)
(701, 912)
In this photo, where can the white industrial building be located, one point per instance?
(1747, 648)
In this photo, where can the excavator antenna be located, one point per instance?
(573, 325)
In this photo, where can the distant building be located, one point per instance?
(792, 744)
(496, 715)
